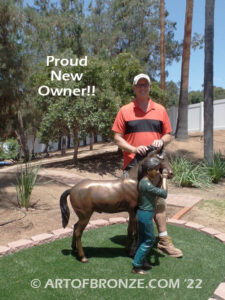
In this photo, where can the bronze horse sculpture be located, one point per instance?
(109, 196)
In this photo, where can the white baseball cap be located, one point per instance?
(140, 76)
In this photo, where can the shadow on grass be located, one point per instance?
(106, 252)
(110, 252)
(119, 239)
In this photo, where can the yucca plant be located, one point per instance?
(190, 174)
(217, 169)
(26, 179)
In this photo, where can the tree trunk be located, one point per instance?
(208, 81)
(85, 142)
(63, 151)
(182, 120)
(95, 135)
(33, 142)
(46, 149)
(59, 144)
(22, 138)
(162, 45)
(76, 142)
(104, 139)
(91, 141)
(68, 141)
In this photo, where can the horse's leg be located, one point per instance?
(74, 237)
(81, 224)
(129, 236)
(132, 234)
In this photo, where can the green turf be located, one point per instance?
(202, 265)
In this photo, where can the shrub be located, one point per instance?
(187, 173)
(26, 179)
(9, 149)
(14, 149)
(217, 169)
(3, 155)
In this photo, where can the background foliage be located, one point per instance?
(120, 39)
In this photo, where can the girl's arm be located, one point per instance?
(164, 182)
(157, 191)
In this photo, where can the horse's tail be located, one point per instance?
(65, 212)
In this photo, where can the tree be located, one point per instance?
(198, 96)
(208, 81)
(12, 62)
(195, 97)
(182, 121)
(172, 94)
(69, 27)
(15, 57)
(81, 115)
(123, 68)
(219, 93)
(97, 32)
(135, 28)
(112, 29)
(162, 45)
(22, 137)
(122, 71)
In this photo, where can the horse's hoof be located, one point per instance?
(84, 260)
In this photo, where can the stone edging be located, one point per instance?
(219, 293)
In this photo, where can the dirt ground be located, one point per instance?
(44, 215)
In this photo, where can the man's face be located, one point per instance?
(142, 88)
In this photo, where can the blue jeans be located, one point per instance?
(145, 236)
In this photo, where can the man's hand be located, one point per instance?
(158, 143)
(141, 150)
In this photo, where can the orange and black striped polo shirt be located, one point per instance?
(139, 127)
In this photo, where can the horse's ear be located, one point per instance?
(161, 149)
(161, 153)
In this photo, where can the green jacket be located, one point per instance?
(148, 194)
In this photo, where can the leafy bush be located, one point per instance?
(217, 169)
(26, 179)
(187, 173)
(9, 149)
(3, 155)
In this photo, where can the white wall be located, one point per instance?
(196, 116)
(39, 147)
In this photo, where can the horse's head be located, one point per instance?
(165, 167)
(152, 151)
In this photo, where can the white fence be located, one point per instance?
(53, 146)
(196, 116)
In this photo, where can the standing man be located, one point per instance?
(139, 124)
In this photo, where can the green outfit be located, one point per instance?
(148, 194)
(145, 213)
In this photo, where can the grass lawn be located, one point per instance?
(195, 276)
